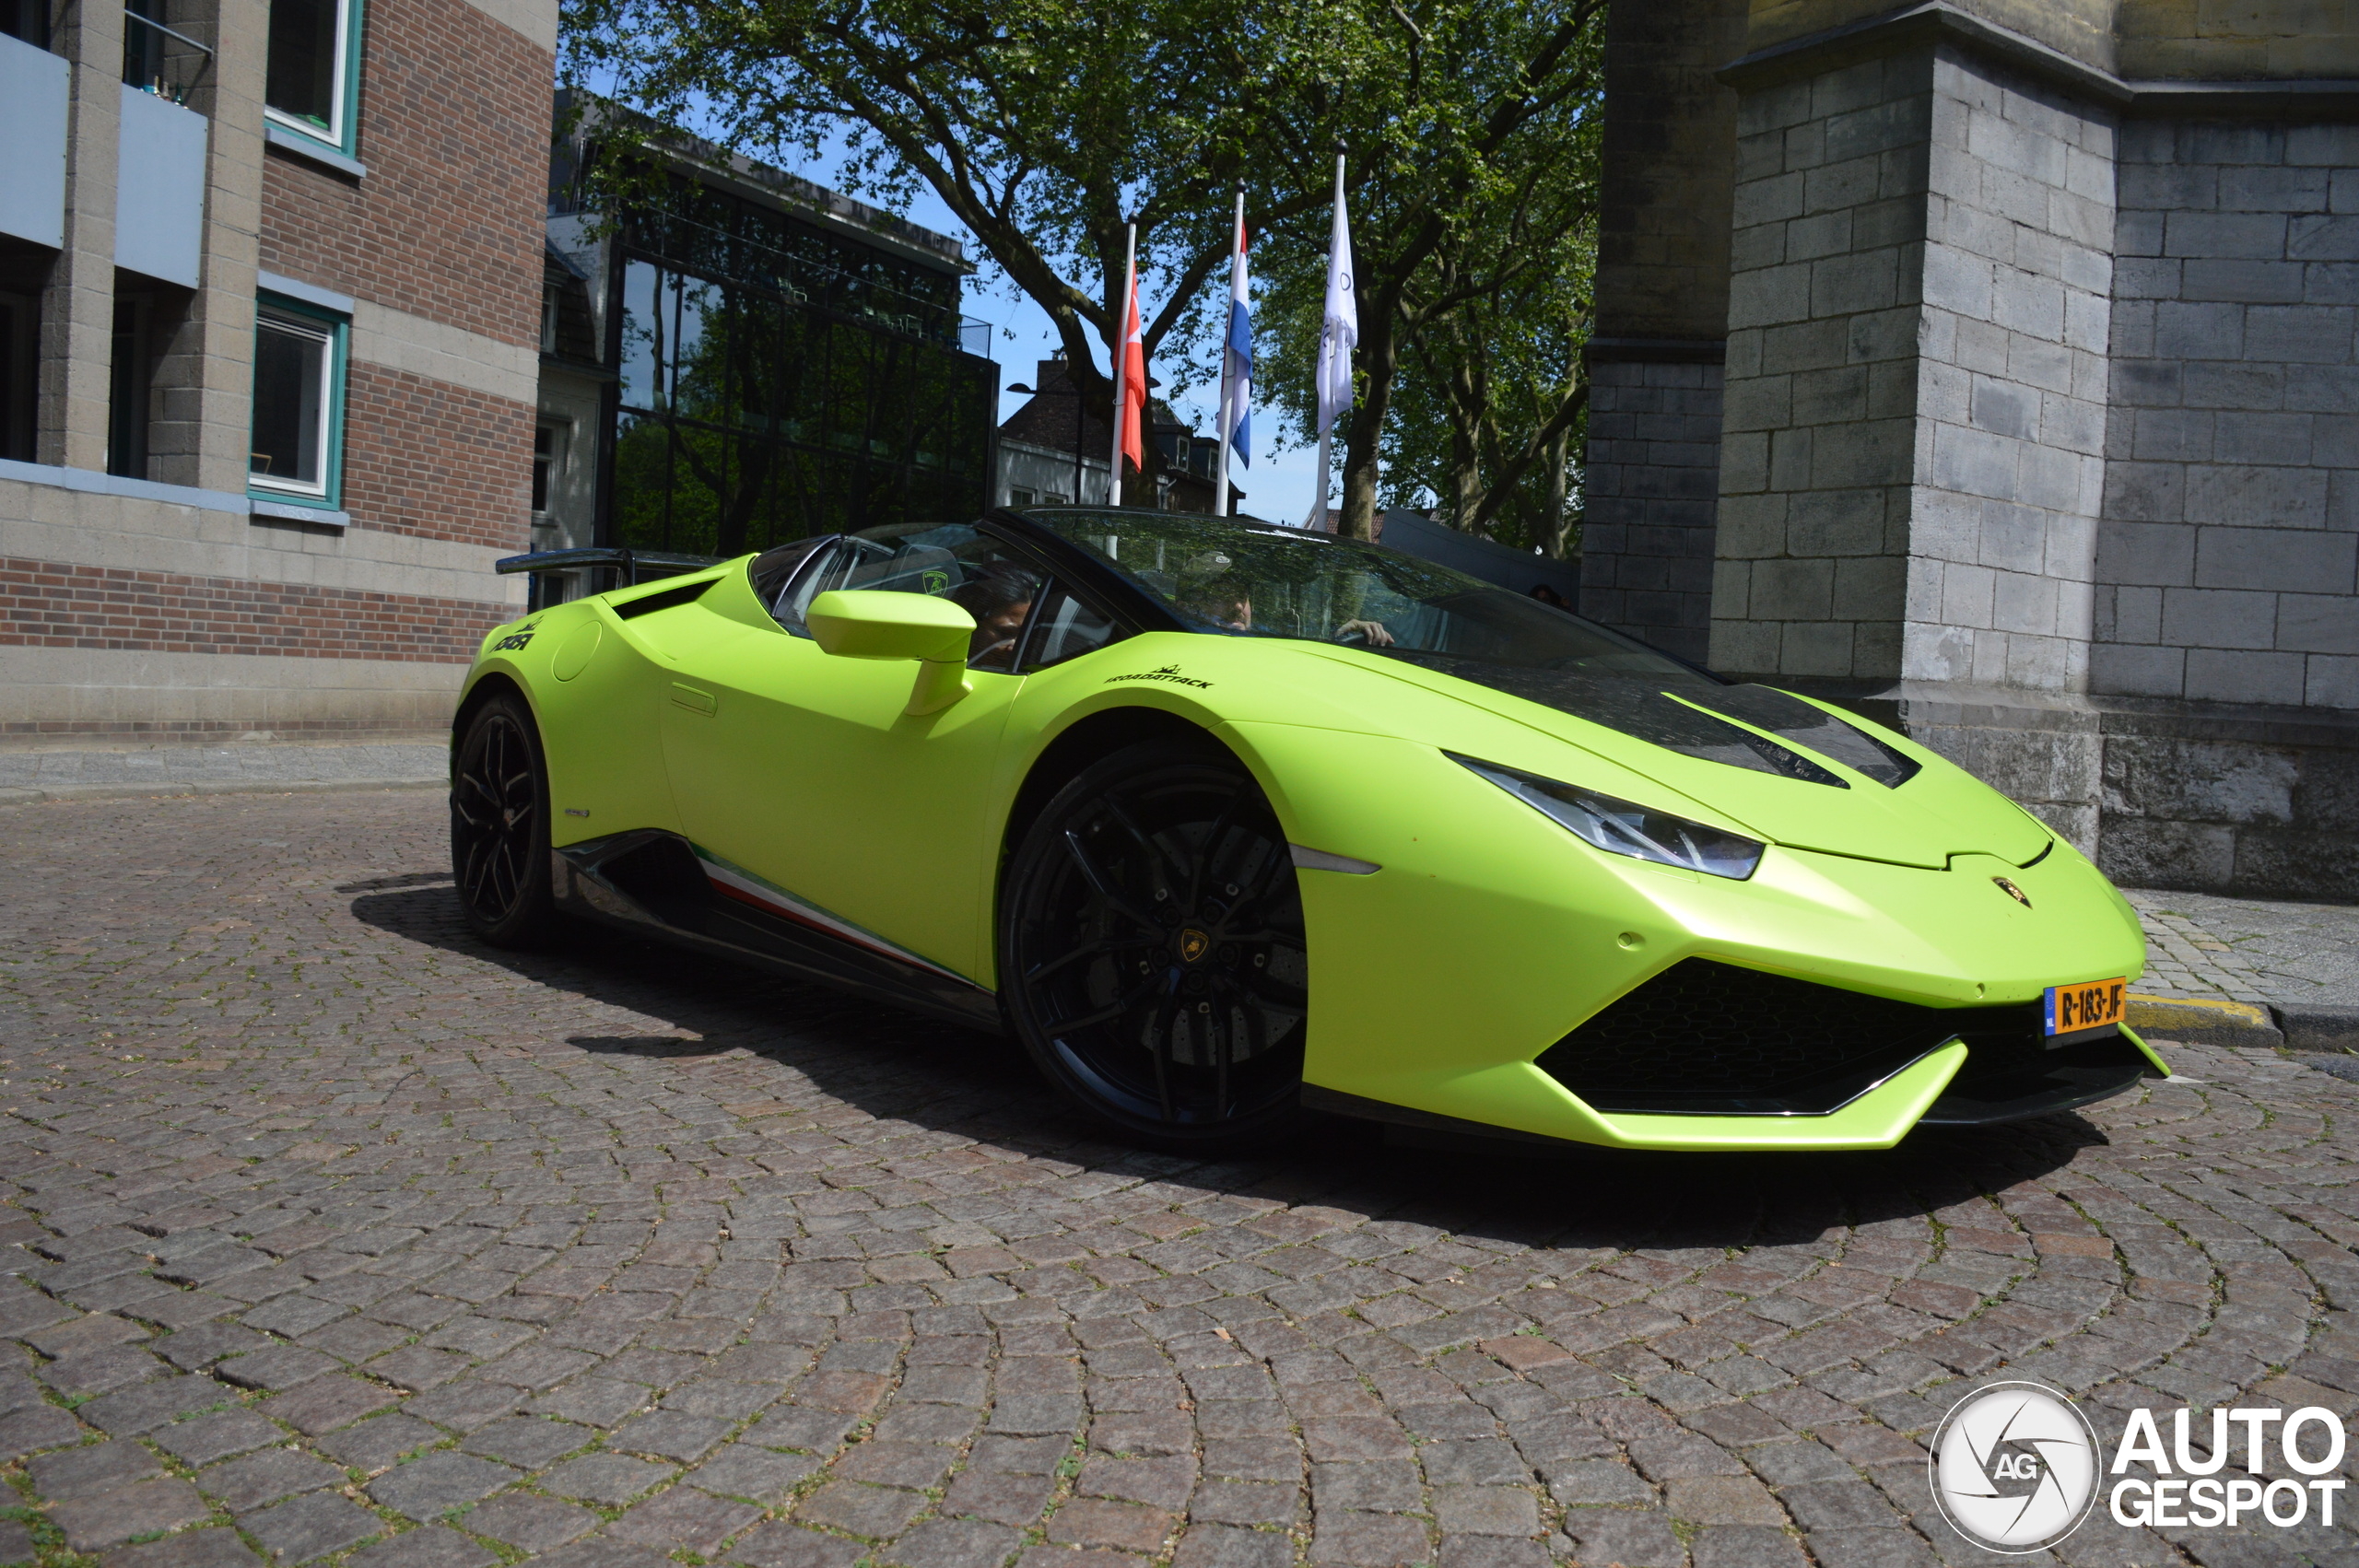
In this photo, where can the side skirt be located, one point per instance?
(655, 883)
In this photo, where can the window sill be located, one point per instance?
(290, 511)
(296, 145)
(92, 483)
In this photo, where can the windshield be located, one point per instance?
(1244, 579)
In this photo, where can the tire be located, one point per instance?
(499, 825)
(1152, 957)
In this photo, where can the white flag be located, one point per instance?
(1340, 332)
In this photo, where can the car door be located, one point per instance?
(806, 787)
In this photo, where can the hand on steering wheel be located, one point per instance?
(1371, 633)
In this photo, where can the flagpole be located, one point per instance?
(1227, 425)
(1323, 523)
(1319, 515)
(1122, 358)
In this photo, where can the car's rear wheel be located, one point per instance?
(1151, 948)
(499, 825)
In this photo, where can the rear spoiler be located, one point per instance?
(624, 561)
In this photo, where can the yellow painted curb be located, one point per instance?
(2162, 1014)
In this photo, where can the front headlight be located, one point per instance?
(1619, 827)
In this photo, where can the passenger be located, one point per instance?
(1227, 603)
(999, 600)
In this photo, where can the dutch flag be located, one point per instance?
(1238, 367)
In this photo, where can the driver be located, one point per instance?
(999, 600)
(1227, 601)
(1223, 600)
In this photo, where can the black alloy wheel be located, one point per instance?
(499, 827)
(1151, 948)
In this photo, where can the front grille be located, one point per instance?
(1704, 1038)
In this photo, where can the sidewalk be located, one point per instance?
(2218, 969)
(231, 767)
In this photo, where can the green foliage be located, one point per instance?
(1044, 126)
(1474, 223)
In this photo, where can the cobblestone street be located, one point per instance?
(337, 1237)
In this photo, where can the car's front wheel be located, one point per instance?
(499, 827)
(1151, 956)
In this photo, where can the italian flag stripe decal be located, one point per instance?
(736, 881)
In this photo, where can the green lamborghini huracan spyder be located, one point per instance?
(1224, 820)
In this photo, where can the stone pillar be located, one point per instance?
(1662, 278)
(1912, 467)
(78, 305)
(202, 391)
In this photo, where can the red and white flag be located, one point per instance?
(1133, 382)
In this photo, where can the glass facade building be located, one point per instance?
(776, 377)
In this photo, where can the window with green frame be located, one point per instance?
(312, 85)
(297, 447)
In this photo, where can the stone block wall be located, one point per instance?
(2041, 417)
(1913, 460)
(1817, 445)
(1650, 480)
(1912, 464)
(1650, 490)
(2227, 628)
(2010, 387)
(2231, 533)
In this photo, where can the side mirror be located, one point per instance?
(869, 623)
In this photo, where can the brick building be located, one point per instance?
(271, 286)
(1995, 366)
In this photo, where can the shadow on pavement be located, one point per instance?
(945, 1079)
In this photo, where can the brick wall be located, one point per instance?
(454, 130)
(2231, 534)
(430, 458)
(48, 605)
(447, 226)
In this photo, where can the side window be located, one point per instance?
(1066, 628)
(957, 562)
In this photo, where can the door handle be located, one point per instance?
(694, 700)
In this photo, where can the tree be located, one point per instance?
(1503, 376)
(1044, 126)
(1471, 215)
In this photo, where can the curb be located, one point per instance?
(2206, 1021)
(24, 795)
(2309, 1027)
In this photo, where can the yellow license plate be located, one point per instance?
(2093, 1004)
